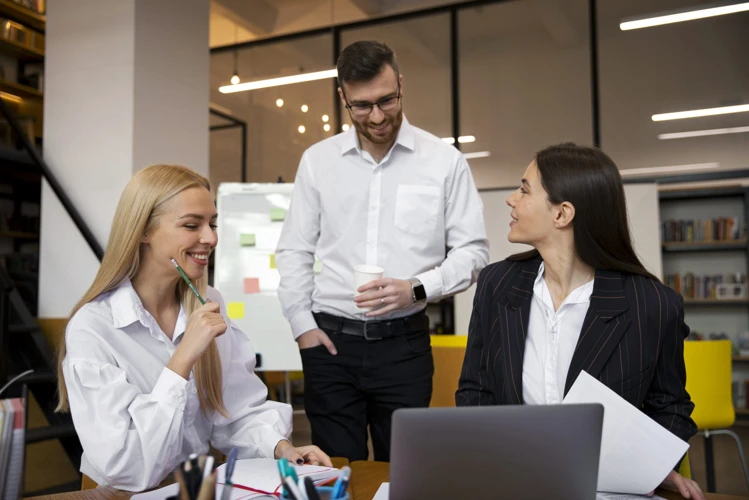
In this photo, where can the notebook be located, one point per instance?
(254, 477)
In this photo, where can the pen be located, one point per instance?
(292, 489)
(339, 489)
(207, 488)
(281, 463)
(189, 283)
(309, 486)
(207, 466)
(231, 460)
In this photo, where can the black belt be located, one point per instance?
(374, 330)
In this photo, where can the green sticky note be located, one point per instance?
(247, 240)
(317, 266)
(277, 214)
(273, 261)
(236, 310)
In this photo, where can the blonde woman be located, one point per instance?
(148, 374)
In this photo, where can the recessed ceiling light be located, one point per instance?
(279, 102)
(675, 168)
(344, 127)
(701, 133)
(477, 154)
(686, 14)
(301, 129)
(325, 118)
(305, 108)
(697, 113)
(326, 127)
(275, 82)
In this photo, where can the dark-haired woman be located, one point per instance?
(580, 300)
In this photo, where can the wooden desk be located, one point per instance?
(366, 478)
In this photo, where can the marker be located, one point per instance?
(189, 283)
(339, 489)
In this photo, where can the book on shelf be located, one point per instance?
(703, 230)
(12, 446)
(708, 286)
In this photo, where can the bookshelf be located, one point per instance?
(714, 219)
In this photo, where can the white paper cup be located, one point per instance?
(363, 274)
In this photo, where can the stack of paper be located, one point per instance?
(257, 477)
(636, 452)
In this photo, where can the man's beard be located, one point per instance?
(364, 130)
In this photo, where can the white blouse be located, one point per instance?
(136, 419)
(551, 341)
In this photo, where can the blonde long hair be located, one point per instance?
(142, 203)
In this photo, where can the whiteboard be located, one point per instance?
(249, 226)
(644, 224)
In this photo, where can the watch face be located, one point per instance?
(420, 293)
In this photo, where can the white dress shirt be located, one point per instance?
(399, 214)
(552, 338)
(137, 419)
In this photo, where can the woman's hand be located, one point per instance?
(686, 487)
(204, 324)
(302, 455)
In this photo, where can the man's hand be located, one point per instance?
(386, 295)
(314, 338)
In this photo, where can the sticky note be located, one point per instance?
(251, 285)
(273, 261)
(247, 240)
(236, 310)
(277, 214)
(317, 266)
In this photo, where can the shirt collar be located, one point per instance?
(577, 296)
(406, 138)
(127, 309)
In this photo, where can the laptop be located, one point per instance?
(496, 452)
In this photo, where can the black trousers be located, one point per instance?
(362, 385)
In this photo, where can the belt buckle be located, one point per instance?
(366, 333)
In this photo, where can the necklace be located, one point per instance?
(554, 324)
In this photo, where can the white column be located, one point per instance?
(126, 86)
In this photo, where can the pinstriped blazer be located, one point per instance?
(632, 340)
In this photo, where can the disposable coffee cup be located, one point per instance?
(363, 274)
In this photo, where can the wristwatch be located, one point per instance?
(418, 290)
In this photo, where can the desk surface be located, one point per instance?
(366, 478)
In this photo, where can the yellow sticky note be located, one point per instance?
(273, 261)
(277, 214)
(236, 310)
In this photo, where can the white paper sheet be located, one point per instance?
(617, 496)
(383, 493)
(636, 452)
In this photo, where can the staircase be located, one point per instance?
(23, 345)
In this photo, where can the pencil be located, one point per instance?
(187, 280)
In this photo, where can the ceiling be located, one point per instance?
(236, 21)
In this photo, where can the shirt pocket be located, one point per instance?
(417, 208)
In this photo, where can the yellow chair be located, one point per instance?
(448, 352)
(708, 364)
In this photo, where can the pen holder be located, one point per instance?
(325, 493)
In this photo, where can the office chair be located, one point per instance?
(708, 364)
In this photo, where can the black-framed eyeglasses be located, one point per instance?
(364, 108)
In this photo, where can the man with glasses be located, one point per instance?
(384, 194)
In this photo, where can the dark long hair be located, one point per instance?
(588, 179)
